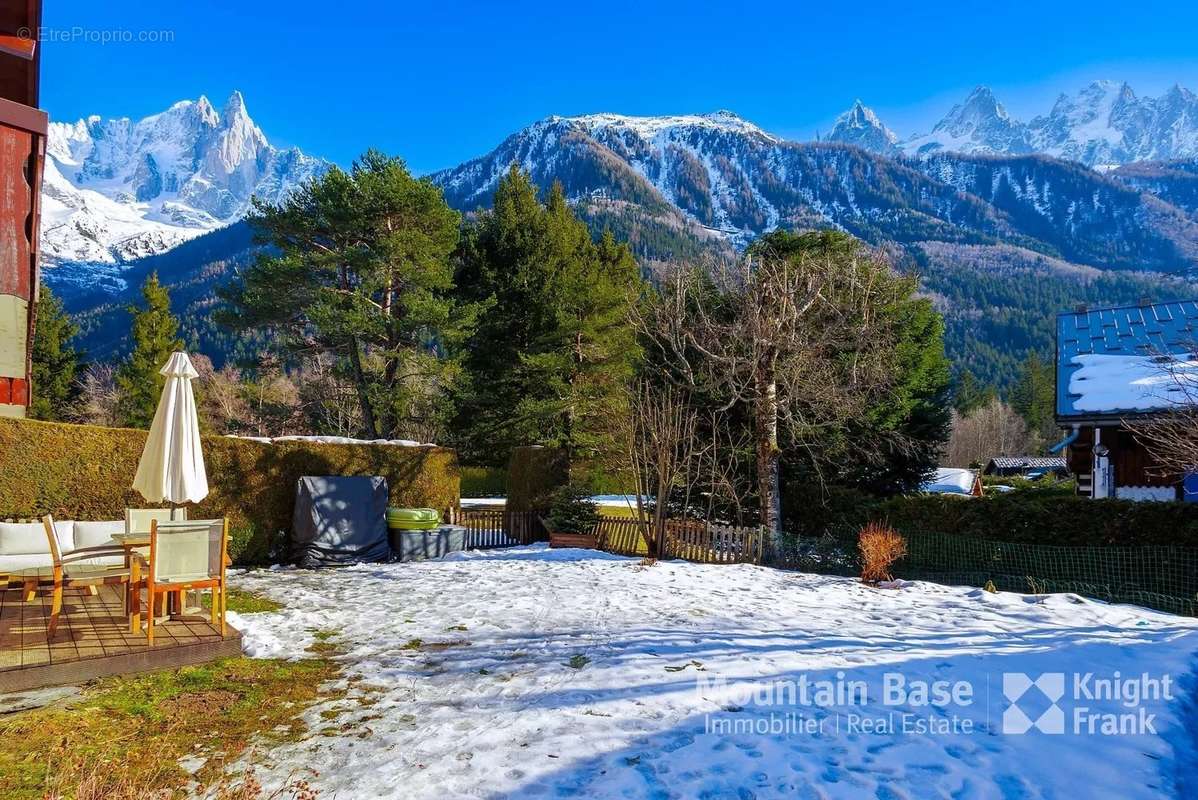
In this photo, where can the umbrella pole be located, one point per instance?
(189, 600)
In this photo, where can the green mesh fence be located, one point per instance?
(1164, 578)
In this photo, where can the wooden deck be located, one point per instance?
(93, 640)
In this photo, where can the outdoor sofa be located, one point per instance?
(23, 545)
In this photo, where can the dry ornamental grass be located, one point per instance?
(880, 546)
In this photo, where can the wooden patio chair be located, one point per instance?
(186, 556)
(73, 572)
(137, 520)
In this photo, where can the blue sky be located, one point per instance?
(440, 82)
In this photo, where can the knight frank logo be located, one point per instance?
(1033, 703)
(1094, 705)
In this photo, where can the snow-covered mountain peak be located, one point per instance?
(860, 126)
(235, 116)
(859, 115)
(980, 107)
(235, 104)
(117, 189)
(978, 125)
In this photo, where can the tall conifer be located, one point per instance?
(155, 334)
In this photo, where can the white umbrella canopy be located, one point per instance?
(172, 464)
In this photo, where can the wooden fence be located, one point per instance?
(691, 540)
(622, 537)
(494, 527)
(696, 540)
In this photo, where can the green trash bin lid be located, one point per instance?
(413, 519)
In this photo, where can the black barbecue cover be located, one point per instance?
(339, 520)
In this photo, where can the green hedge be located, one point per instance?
(1031, 516)
(484, 481)
(533, 473)
(85, 472)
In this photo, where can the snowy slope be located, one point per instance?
(692, 162)
(116, 190)
(454, 692)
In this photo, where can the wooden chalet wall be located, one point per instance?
(22, 153)
(1133, 464)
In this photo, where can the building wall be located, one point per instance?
(19, 173)
(1133, 465)
(22, 149)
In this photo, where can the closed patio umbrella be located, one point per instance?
(172, 464)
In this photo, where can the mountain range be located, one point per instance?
(1003, 234)
(116, 190)
(1104, 125)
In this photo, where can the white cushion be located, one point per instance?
(11, 564)
(96, 534)
(29, 538)
(96, 561)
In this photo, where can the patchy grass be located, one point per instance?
(323, 646)
(126, 735)
(618, 512)
(413, 644)
(577, 661)
(243, 602)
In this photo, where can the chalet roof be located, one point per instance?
(1029, 462)
(1109, 359)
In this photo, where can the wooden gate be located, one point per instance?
(494, 527)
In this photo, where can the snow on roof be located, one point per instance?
(333, 440)
(1139, 332)
(949, 480)
(1113, 383)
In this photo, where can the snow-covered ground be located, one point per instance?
(574, 673)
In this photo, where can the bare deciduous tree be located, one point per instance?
(993, 429)
(1171, 436)
(661, 445)
(798, 336)
(99, 397)
(330, 403)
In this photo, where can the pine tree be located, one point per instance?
(1034, 396)
(55, 359)
(155, 333)
(969, 395)
(553, 355)
(361, 271)
(916, 409)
